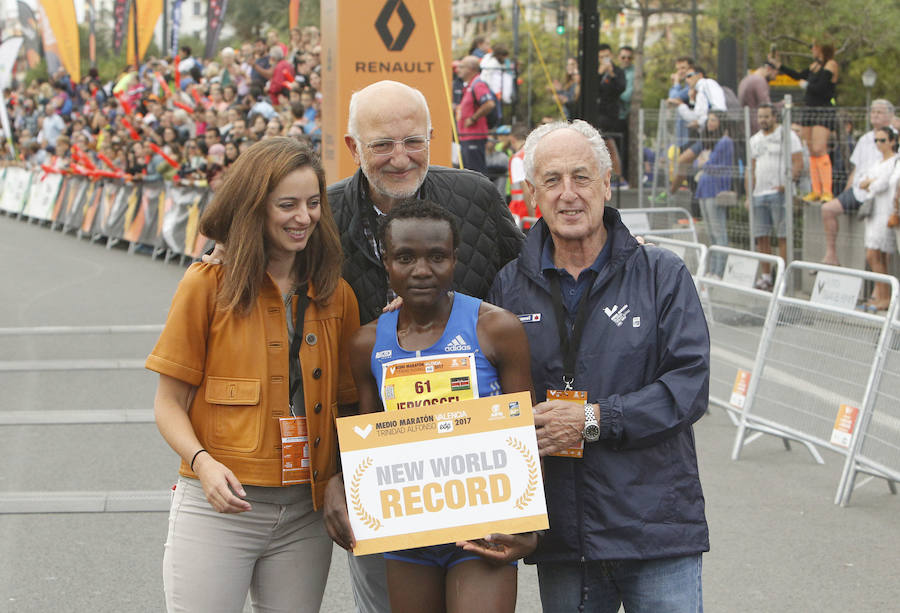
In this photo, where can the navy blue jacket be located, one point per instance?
(644, 357)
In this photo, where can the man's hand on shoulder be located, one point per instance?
(559, 425)
(216, 257)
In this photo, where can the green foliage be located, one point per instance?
(863, 33)
(251, 18)
(38, 72)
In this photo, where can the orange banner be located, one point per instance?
(293, 13)
(61, 15)
(149, 12)
(365, 42)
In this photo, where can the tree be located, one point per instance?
(533, 80)
(862, 32)
(645, 9)
(251, 18)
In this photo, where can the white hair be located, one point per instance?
(885, 103)
(276, 53)
(352, 122)
(598, 146)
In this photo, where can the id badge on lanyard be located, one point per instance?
(294, 450)
(578, 398)
(569, 344)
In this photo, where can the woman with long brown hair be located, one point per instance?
(252, 368)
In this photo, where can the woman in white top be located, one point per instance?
(880, 184)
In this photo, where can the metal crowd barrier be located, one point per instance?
(17, 502)
(670, 222)
(875, 448)
(736, 314)
(817, 361)
(159, 216)
(693, 254)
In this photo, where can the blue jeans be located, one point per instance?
(716, 218)
(667, 585)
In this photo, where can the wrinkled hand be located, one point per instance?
(559, 425)
(220, 485)
(216, 257)
(501, 549)
(337, 521)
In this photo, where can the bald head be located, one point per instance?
(468, 67)
(393, 115)
(383, 100)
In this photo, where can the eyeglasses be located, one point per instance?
(410, 144)
(624, 58)
(881, 140)
(690, 74)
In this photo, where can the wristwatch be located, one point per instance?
(591, 432)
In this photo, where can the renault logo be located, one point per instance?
(381, 25)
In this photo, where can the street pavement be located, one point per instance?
(778, 541)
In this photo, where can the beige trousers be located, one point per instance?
(280, 553)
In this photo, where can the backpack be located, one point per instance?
(495, 117)
(731, 100)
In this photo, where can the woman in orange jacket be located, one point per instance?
(252, 367)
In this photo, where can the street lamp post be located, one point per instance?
(868, 80)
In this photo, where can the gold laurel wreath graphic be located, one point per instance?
(525, 499)
(371, 522)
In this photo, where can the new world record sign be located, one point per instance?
(442, 473)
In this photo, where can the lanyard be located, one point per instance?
(296, 376)
(569, 343)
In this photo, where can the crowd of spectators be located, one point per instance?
(181, 119)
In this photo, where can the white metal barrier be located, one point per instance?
(669, 221)
(736, 315)
(817, 360)
(875, 448)
(78, 502)
(692, 253)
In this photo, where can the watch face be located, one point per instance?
(591, 432)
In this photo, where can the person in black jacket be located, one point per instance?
(612, 84)
(389, 133)
(620, 330)
(392, 172)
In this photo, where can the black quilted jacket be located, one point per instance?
(489, 236)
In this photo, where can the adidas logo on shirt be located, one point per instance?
(457, 344)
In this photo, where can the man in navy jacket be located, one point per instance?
(627, 519)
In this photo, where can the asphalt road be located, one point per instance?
(778, 542)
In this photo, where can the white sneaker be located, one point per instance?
(764, 283)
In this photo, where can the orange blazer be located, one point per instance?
(239, 366)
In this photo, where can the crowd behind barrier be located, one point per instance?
(667, 183)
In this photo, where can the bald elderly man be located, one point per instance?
(389, 134)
